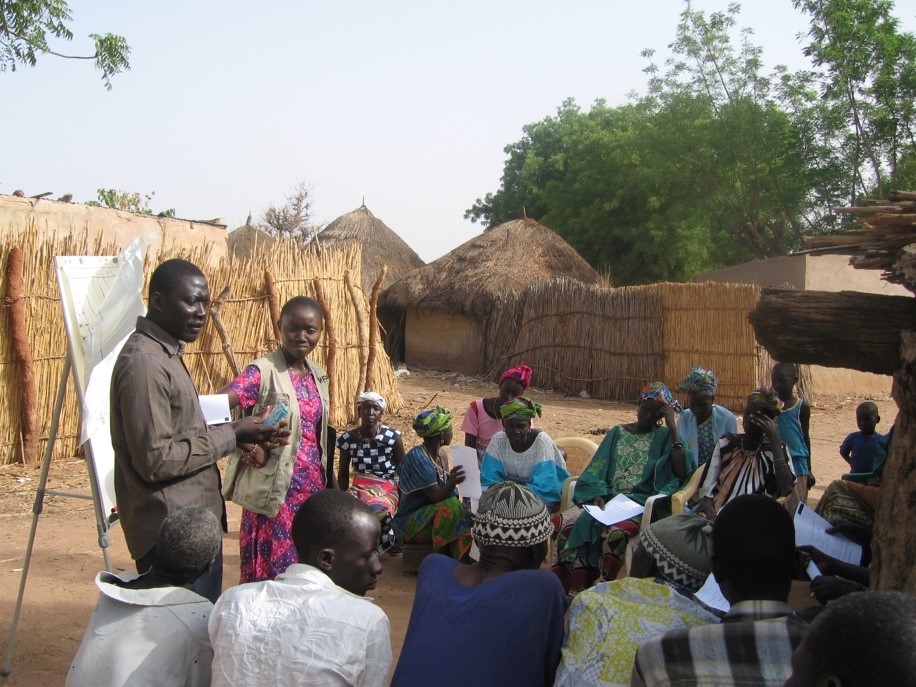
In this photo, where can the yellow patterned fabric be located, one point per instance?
(608, 622)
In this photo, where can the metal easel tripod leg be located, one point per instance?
(38, 506)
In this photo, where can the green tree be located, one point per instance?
(724, 119)
(128, 201)
(868, 78)
(27, 25)
(708, 168)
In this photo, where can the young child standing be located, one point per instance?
(794, 425)
(859, 449)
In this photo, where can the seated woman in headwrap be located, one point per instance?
(524, 455)
(608, 622)
(374, 451)
(703, 423)
(496, 622)
(430, 511)
(751, 463)
(639, 459)
(482, 420)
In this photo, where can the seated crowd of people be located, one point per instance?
(620, 604)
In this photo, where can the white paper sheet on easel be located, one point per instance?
(811, 530)
(711, 595)
(616, 510)
(100, 300)
(215, 408)
(466, 457)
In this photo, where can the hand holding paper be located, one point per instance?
(811, 530)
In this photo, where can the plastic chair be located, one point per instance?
(579, 452)
(678, 499)
(576, 461)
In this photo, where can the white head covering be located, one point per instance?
(371, 397)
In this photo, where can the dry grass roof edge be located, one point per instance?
(470, 278)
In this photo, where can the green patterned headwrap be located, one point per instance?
(521, 408)
(432, 423)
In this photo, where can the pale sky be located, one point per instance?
(408, 104)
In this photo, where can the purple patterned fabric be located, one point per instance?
(266, 544)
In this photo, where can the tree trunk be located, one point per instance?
(22, 354)
(860, 331)
(894, 542)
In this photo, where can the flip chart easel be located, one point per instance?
(101, 300)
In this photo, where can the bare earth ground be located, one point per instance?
(60, 593)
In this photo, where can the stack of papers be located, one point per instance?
(616, 510)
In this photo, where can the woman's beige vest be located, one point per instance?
(262, 490)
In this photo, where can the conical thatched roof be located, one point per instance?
(246, 240)
(381, 246)
(474, 275)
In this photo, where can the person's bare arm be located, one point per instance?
(343, 470)
(785, 482)
(397, 455)
(678, 456)
(804, 418)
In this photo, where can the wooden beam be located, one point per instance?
(860, 331)
(894, 541)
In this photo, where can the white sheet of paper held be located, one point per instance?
(811, 530)
(466, 457)
(215, 408)
(711, 595)
(812, 570)
(616, 510)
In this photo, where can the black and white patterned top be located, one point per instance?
(372, 456)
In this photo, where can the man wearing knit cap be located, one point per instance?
(497, 622)
(608, 622)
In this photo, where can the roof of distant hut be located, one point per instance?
(478, 272)
(246, 240)
(380, 244)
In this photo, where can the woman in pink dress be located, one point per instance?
(272, 483)
(482, 421)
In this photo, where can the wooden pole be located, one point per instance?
(894, 541)
(373, 330)
(358, 304)
(223, 334)
(273, 303)
(22, 353)
(331, 337)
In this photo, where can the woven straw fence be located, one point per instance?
(706, 324)
(245, 316)
(610, 342)
(577, 337)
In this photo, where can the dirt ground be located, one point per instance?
(60, 593)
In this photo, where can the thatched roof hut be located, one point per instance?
(381, 246)
(245, 241)
(478, 272)
(445, 305)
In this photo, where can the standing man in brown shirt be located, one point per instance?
(165, 455)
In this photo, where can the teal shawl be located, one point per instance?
(657, 478)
